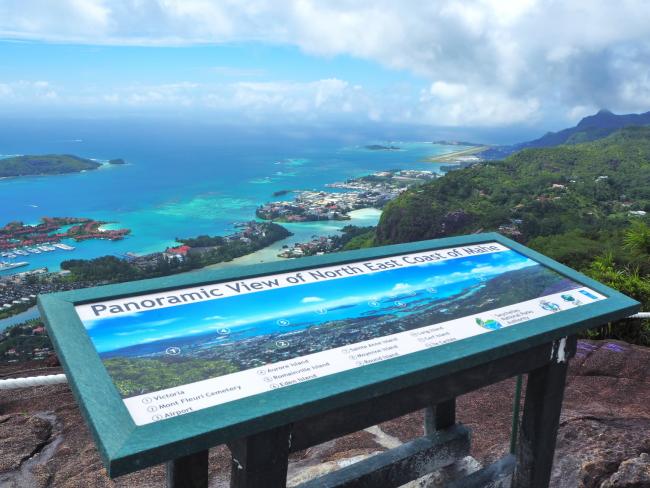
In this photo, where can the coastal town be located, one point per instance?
(18, 291)
(374, 190)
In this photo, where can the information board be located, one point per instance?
(175, 352)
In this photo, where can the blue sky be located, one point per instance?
(541, 64)
(77, 66)
(285, 303)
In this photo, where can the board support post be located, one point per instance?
(541, 417)
(188, 471)
(440, 416)
(261, 460)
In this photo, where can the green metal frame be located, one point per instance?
(126, 447)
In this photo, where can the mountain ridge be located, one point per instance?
(590, 128)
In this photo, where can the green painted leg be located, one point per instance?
(540, 421)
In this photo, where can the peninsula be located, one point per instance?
(380, 147)
(464, 155)
(47, 164)
(374, 190)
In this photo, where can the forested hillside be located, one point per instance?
(49, 164)
(594, 188)
(584, 205)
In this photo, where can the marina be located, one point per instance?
(6, 265)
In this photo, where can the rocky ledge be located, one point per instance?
(604, 437)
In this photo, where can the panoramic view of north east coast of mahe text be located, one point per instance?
(147, 145)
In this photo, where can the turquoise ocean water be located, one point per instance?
(184, 179)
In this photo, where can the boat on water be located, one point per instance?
(45, 248)
(34, 250)
(20, 252)
(65, 247)
(5, 265)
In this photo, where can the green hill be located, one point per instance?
(583, 205)
(48, 164)
(595, 188)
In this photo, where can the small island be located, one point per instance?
(379, 147)
(48, 164)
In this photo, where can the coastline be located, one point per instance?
(360, 159)
(30, 313)
(302, 231)
(445, 158)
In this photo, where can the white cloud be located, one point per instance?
(312, 300)
(459, 104)
(306, 100)
(487, 62)
(215, 317)
(401, 287)
(134, 332)
(159, 323)
(21, 91)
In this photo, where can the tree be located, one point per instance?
(637, 238)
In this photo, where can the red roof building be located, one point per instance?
(182, 250)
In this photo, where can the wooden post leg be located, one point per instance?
(188, 471)
(539, 425)
(439, 416)
(260, 460)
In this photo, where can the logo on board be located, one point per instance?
(489, 324)
(571, 299)
(550, 306)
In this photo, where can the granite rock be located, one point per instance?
(603, 440)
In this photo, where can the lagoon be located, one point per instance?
(184, 180)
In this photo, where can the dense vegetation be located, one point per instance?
(48, 164)
(210, 250)
(591, 188)
(581, 204)
(138, 376)
(19, 342)
(352, 237)
(103, 269)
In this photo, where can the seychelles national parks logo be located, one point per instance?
(489, 324)
(550, 306)
(571, 299)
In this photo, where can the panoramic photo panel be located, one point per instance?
(176, 352)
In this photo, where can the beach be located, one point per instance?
(303, 232)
